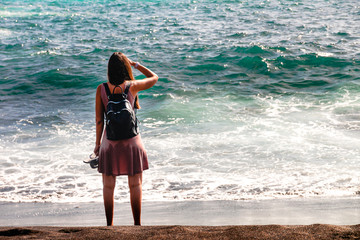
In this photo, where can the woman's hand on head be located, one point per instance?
(132, 63)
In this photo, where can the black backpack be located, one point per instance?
(121, 121)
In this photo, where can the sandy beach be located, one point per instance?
(316, 231)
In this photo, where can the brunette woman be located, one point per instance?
(121, 157)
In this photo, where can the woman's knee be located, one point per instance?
(135, 181)
(109, 182)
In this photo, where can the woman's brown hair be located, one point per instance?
(119, 71)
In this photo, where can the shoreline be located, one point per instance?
(337, 211)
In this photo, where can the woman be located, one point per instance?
(121, 157)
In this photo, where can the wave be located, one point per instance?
(311, 60)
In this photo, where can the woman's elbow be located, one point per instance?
(156, 78)
(99, 122)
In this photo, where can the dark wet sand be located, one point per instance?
(273, 219)
(186, 213)
(316, 231)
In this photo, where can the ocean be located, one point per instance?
(255, 100)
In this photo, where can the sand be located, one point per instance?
(270, 219)
(316, 231)
(190, 213)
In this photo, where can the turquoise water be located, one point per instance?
(256, 99)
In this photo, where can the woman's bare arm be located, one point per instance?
(148, 82)
(99, 118)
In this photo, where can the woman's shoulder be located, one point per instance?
(131, 84)
(100, 86)
(98, 89)
(134, 84)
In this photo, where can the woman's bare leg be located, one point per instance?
(135, 185)
(108, 193)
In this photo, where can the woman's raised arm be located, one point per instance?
(148, 82)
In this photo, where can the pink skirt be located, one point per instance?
(122, 157)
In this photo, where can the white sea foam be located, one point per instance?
(284, 148)
(324, 54)
(5, 33)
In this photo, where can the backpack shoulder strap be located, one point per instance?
(107, 89)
